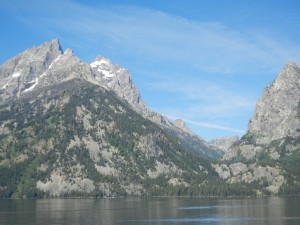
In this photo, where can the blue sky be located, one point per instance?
(206, 62)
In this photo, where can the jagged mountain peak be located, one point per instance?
(22, 72)
(69, 52)
(51, 47)
(292, 64)
(289, 76)
(269, 151)
(88, 123)
(47, 65)
(44, 54)
(276, 114)
(55, 44)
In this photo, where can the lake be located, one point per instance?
(156, 211)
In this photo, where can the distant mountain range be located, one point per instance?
(69, 128)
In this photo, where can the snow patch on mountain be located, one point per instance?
(54, 62)
(100, 61)
(33, 86)
(17, 74)
(104, 66)
(4, 86)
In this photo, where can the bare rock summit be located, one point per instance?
(277, 111)
(269, 151)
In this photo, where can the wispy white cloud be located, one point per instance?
(206, 99)
(216, 126)
(158, 36)
(166, 49)
(209, 125)
(207, 105)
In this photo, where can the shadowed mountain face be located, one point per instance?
(269, 152)
(68, 128)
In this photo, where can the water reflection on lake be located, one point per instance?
(141, 211)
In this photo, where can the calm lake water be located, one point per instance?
(147, 211)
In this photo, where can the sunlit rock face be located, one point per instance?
(224, 143)
(277, 112)
(270, 148)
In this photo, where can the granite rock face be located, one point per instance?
(119, 80)
(41, 67)
(270, 148)
(22, 73)
(276, 116)
(223, 143)
(277, 112)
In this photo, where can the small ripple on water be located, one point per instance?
(192, 220)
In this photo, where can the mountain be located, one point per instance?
(76, 138)
(69, 128)
(223, 143)
(40, 67)
(277, 112)
(269, 152)
(47, 64)
(192, 142)
(119, 80)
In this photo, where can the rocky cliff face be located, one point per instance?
(275, 118)
(271, 145)
(223, 143)
(22, 73)
(40, 67)
(119, 80)
(277, 111)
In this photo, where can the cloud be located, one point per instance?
(215, 126)
(201, 68)
(207, 99)
(204, 104)
(161, 37)
(209, 125)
